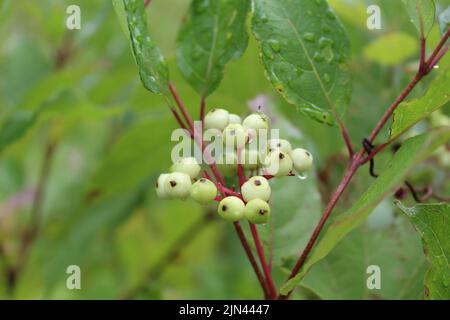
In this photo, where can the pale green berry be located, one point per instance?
(216, 119)
(188, 165)
(160, 187)
(203, 191)
(234, 118)
(280, 144)
(256, 121)
(302, 159)
(228, 166)
(278, 164)
(178, 185)
(250, 158)
(231, 209)
(256, 187)
(257, 211)
(235, 136)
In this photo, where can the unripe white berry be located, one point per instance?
(234, 118)
(235, 136)
(203, 191)
(302, 159)
(187, 165)
(257, 211)
(160, 187)
(256, 121)
(178, 185)
(231, 209)
(281, 145)
(216, 119)
(256, 187)
(277, 164)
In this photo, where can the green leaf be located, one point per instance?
(305, 52)
(392, 49)
(410, 112)
(213, 35)
(432, 221)
(140, 152)
(412, 152)
(396, 250)
(152, 67)
(444, 20)
(15, 126)
(119, 8)
(296, 207)
(422, 13)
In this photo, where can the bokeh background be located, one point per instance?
(82, 142)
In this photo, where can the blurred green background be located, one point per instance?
(82, 142)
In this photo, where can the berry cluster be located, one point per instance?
(251, 202)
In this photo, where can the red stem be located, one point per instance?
(251, 258)
(181, 106)
(262, 258)
(438, 48)
(358, 161)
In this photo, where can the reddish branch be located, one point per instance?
(358, 160)
(252, 260)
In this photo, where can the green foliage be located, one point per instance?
(444, 20)
(410, 154)
(395, 250)
(401, 46)
(422, 14)
(411, 112)
(112, 138)
(152, 67)
(213, 34)
(432, 223)
(305, 52)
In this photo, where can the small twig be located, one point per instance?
(181, 106)
(259, 249)
(432, 60)
(252, 260)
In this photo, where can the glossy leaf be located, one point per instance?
(152, 67)
(305, 52)
(395, 249)
(412, 152)
(213, 35)
(432, 221)
(422, 14)
(410, 112)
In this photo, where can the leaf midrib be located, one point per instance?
(315, 71)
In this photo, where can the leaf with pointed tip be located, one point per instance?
(411, 112)
(412, 152)
(213, 35)
(305, 52)
(152, 67)
(432, 221)
(422, 13)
